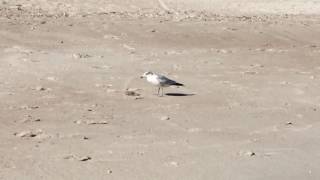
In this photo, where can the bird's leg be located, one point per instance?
(162, 91)
(158, 90)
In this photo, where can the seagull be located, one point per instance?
(160, 81)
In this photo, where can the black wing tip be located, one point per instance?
(179, 84)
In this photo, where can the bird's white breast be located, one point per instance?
(153, 80)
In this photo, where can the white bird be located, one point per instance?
(160, 81)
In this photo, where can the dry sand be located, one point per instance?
(250, 109)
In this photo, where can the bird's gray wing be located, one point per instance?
(166, 81)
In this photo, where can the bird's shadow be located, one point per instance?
(179, 94)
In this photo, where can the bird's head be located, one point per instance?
(146, 74)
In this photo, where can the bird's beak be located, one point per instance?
(141, 77)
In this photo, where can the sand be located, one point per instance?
(73, 106)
